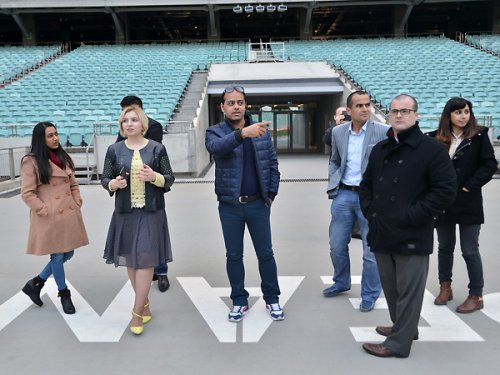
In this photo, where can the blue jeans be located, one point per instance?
(161, 269)
(469, 243)
(56, 267)
(345, 211)
(256, 216)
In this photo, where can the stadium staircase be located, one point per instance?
(186, 109)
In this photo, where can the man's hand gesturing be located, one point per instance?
(255, 130)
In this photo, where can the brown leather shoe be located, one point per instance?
(445, 293)
(378, 350)
(384, 331)
(387, 331)
(471, 304)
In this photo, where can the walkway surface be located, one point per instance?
(189, 333)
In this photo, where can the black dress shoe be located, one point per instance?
(378, 350)
(163, 283)
(155, 277)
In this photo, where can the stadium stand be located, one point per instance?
(85, 86)
(431, 68)
(487, 42)
(16, 61)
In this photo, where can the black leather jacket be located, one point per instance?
(153, 154)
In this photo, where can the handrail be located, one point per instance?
(14, 127)
(11, 157)
(87, 151)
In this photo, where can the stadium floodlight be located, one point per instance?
(271, 8)
(282, 8)
(249, 8)
(260, 8)
(238, 9)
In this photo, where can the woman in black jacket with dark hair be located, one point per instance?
(474, 160)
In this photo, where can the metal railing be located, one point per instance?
(17, 130)
(261, 52)
(10, 162)
(105, 128)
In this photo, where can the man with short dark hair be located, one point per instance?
(339, 118)
(154, 132)
(408, 182)
(246, 183)
(351, 145)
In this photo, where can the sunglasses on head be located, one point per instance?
(234, 88)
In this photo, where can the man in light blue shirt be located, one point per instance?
(352, 143)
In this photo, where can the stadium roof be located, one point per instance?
(214, 4)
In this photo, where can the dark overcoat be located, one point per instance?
(474, 162)
(406, 185)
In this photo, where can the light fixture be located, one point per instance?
(260, 8)
(282, 8)
(249, 8)
(238, 9)
(271, 8)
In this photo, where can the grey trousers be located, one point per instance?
(403, 280)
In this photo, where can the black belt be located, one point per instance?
(248, 198)
(349, 187)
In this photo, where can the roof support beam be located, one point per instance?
(120, 34)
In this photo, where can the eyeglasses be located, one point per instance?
(403, 112)
(234, 88)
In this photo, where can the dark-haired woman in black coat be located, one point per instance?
(474, 160)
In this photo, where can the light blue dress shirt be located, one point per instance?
(352, 174)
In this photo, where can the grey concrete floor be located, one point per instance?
(186, 336)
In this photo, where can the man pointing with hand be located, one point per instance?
(246, 183)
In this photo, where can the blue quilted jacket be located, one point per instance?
(221, 141)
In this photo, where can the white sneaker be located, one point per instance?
(275, 311)
(236, 314)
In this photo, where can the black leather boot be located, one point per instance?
(33, 288)
(66, 302)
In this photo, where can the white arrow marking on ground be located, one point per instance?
(214, 310)
(444, 325)
(492, 306)
(86, 324)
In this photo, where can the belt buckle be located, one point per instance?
(243, 197)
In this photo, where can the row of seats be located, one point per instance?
(87, 85)
(433, 69)
(489, 42)
(16, 60)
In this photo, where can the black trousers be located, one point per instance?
(403, 280)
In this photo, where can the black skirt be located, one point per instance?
(138, 239)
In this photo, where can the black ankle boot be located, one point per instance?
(66, 302)
(33, 288)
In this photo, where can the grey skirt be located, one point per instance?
(138, 239)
